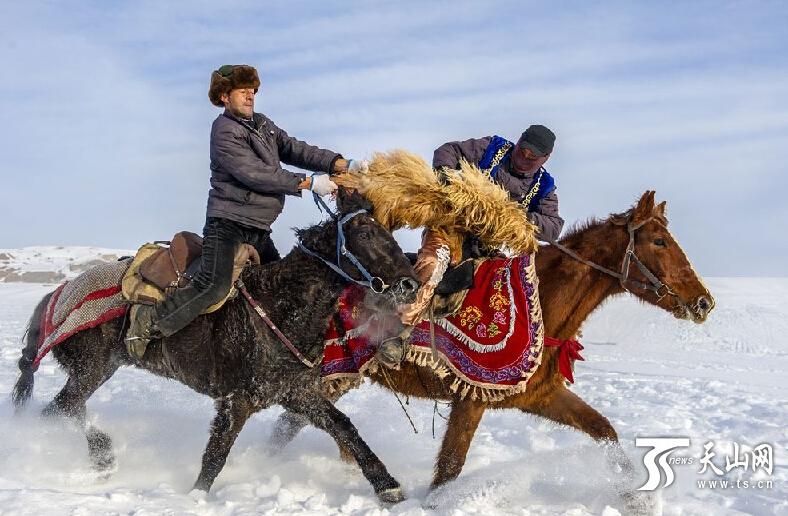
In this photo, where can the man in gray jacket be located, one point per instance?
(248, 189)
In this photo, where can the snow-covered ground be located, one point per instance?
(651, 375)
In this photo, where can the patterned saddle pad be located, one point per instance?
(489, 348)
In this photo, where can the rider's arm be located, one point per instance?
(546, 217)
(231, 152)
(302, 155)
(449, 154)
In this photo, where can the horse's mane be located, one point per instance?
(308, 234)
(581, 227)
(593, 222)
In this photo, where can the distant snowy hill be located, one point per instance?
(52, 264)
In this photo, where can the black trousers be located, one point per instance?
(221, 239)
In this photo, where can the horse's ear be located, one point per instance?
(644, 208)
(349, 200)
(659, 210)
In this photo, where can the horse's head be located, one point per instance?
(367, 242)
(666, 277)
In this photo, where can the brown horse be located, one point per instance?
(569, 290)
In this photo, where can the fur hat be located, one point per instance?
(231, 77)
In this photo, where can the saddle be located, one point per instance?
(157, 270)
(170, 266)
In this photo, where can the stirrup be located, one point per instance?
(136, 346)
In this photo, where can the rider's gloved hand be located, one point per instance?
(322, 185)
(359, 166)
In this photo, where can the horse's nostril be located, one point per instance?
(405, 286)
(703, 303)
(410, 285)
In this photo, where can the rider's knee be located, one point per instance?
(217, 290)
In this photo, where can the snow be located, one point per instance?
(650, 374)
(52, 264)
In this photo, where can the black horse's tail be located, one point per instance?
(24, 386)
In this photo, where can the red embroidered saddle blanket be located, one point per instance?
(491, 346)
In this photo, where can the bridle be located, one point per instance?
(655, 285)
(374, 283)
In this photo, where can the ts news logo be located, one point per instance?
(658, 458)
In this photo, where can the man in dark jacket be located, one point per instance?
(248, 189)
(519, 169)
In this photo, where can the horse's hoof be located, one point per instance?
(642, 503)
(390, 353)
(391, 496)
(105, 464)
(198, 495)
(200, 486)
(100, 451)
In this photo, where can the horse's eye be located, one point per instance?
(660, 242)
(364, 235)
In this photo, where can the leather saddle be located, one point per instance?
(175, 265)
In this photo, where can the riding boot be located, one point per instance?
(142, 330)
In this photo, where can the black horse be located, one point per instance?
(233, 357)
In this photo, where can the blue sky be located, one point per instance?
(106, 116)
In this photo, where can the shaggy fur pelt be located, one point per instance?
(405, 191)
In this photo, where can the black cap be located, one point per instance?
(538, 139)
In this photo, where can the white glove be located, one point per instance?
(322, 185)
(358, 166)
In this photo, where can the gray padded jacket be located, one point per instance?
(248, 183)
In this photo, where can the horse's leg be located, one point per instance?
(460, 429)
(289, 424)
(70, 403)
(569, 409)
(325, 416)
(232, 412)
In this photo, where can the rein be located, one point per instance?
(656, 286)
